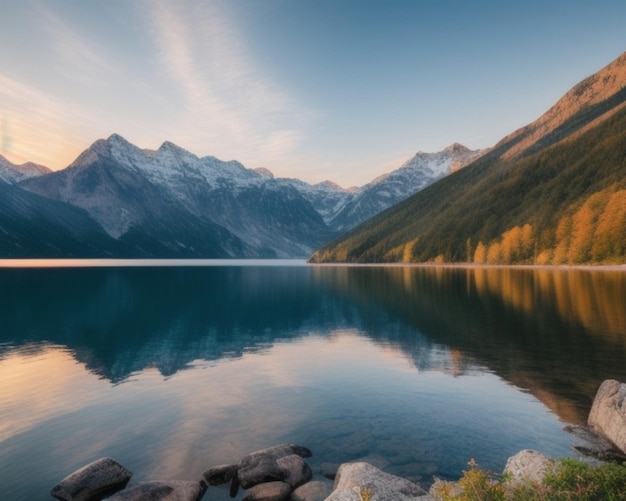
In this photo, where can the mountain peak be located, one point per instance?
(115, 147)
(456, 148)
(588, 102)
(176, 151)
(118, 141)
(12, 173)
(264, 172)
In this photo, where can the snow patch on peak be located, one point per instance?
(174, 149)
(173, 153)
(12, 173)
(457, 148)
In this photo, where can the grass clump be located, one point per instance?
(571, 480)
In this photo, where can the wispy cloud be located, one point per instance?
(75, 54)
(229, 102)
(39, 127)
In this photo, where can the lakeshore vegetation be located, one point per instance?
(562, 204)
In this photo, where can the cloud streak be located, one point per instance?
(75, 55)
(39, 127)
(228, 102)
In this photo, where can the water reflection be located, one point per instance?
(557, 333)
(198, 366)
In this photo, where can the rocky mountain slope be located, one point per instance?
(11, 173)
(170, 203)
(551, 192)
(32, 226)
(389, 189)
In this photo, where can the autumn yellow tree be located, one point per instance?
(609, 243)
(494, 253)
(480, 254)
(583, 228)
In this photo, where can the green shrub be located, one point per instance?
(572, 480)
(475, 485)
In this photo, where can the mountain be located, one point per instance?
(32, 226)
(170, 203)
(327, 198)
(11, 173)
(552, 192)
(389, 189)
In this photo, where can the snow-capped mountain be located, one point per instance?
(169, 202)
(327, 198)
(11, 173)
(389, 189)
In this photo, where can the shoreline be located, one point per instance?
(552, 267)
(193, 262)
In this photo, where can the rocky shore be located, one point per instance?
(281, 473)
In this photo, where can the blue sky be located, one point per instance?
(314, 89)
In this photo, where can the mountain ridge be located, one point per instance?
(157, 202)
(556, 198)
(193, 203)
(12, 173)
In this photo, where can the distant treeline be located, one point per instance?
(565, 204)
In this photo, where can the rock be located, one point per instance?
(220, 475)
(608, 412)
(173, 490)
(596, 445)
(311, 491)
(355, 480)
(262, 466)
(269, 491)
(295, 470)
(528, 465)
(102, 477)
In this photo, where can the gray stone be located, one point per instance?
(311, 491)
(269, 491)
(172, 490)
(100, 478)
(295, 470)
(596, 446)
(608, 412)
(262, 466)
(220, 475)
(529, 465)
(355, 480)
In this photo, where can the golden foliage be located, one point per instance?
(407, 255)
(480, 254)
(593, 233)
(494, 253)
(611, 224)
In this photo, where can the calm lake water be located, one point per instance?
(174, 369)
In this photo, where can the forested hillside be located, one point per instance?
(565, 203)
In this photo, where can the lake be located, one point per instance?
(171, 369)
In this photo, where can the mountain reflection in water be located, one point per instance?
(556, 333)
(174, 369)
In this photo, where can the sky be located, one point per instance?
(344, 90)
